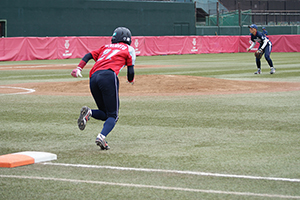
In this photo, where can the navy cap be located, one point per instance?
(263, 28)
(252, 26)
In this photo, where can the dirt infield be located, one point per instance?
(147, 85)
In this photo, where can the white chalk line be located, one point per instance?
(152, 187)
(27, 90)
(174, 171)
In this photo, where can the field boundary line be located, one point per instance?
(151, 186)
(173, 171)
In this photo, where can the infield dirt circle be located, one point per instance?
(147, 85)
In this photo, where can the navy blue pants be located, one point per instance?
(267, 52)
(104, 86)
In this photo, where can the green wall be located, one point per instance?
(42, 18)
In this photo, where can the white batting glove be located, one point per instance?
(76, 72)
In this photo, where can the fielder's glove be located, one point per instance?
(258, 54)
(76, 72)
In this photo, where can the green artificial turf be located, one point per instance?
(251, 135)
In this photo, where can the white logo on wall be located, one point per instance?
(255, 49)
(194, 49)
(67, 52)
(136, 44)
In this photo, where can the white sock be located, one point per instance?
(101, 136)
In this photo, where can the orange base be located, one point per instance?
(15, 160)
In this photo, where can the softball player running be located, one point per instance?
(265, 47)
(104, 82)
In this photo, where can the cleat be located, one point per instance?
(101, 142)
(272, 70)
(84, 116)
(258, 72)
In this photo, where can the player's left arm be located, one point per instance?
(130, 74)
(265, 42)
(130, 65)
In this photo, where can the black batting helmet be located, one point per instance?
(121, 34)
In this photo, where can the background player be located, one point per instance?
(104, 82)
(265, 46)
(265, 32)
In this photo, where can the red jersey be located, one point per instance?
(114, 57)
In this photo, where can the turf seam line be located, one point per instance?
(152, 186)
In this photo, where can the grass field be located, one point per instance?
(234, 146)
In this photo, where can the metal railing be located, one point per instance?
(275, 17)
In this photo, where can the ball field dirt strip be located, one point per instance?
(166, 85)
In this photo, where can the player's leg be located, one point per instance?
(111, 102)
(110, 93)
(95, 85)
(268, 50)
(258, 65)
(85, 114)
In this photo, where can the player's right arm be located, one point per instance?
(77, 72)
(85, 60)
(252, 45)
